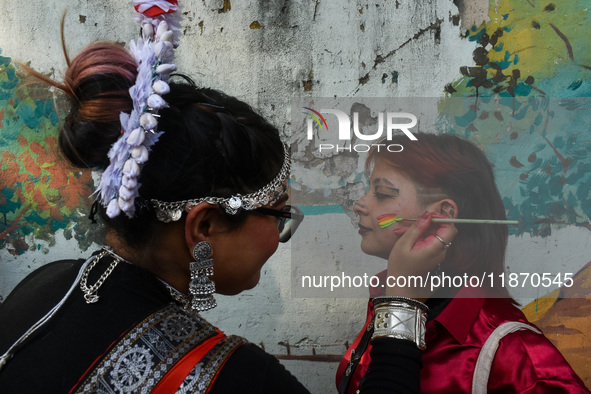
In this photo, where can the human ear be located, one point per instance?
(201, 224)
(447, 207)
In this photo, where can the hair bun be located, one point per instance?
(98, 81)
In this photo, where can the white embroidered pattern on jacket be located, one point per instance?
(143, 356)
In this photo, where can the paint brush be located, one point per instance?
(389, 219)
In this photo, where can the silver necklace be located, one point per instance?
(41, 322)
(90, 293)
(176, 295)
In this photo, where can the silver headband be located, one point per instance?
(172, 211)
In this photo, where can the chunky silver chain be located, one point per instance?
(90, 293)
(172, 211)
(176, 295)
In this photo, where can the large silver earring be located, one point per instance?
(201, 286)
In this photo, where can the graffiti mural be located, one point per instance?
(541, 145)
(39, 192)
(529, 48)
(536, 49)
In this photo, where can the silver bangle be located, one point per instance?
(401, 319)
(398, 300)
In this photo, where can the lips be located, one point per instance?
(363, 229)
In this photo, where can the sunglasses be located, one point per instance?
(288, 220)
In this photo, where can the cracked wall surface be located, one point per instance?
(271, 54)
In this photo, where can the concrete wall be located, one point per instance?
(268, 54)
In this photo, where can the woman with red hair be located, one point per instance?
(443, 176)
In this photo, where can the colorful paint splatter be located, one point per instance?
(531, 49)
(536, 49)
(39, 193)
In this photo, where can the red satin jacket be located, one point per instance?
(525, 362)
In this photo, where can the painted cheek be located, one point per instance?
(386, 220)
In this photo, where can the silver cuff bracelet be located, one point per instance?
(402, 318)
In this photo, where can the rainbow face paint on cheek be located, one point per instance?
(388, 220)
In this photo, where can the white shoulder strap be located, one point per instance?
(487, 353)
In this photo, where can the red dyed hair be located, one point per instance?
(450, 167)
(101, 60)
(97, 82)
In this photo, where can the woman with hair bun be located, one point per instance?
(441, 176)
(193, 194)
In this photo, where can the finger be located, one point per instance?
(433, 227)
(447, 232)
(422, 235)
(401, 230)
(415, 231)
(436, 239)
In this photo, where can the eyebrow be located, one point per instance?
(377, 182)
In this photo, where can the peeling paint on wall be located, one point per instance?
(225, 8)
(473, 12)
(434, 29)
(326, 49)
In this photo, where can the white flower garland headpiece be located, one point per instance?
(154, 54)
